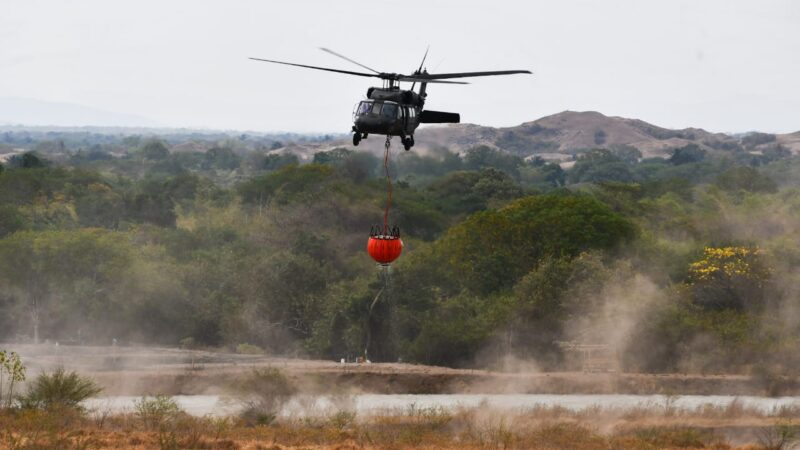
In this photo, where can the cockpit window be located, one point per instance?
(376, 108)
(364, 107)
(390, 111)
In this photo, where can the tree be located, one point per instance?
(10, 220)
(598, 165)
(332, 157)
(100, 206)
(482, 157)
(27, 160)
(556, 290)
(627, 153)
(151, 202)
(466, 192)
(492, 249)
(40, 267)
(286, 184)
(729, 278)
(275, 161)
(744, 178)
(221, 158)
(155, 150)
(554, 174)
(689, 153)
(359, 166)
(600, 137)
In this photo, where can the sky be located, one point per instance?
(722, 65)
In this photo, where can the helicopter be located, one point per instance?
(391, 111)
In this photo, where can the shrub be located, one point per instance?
(59, 389)
(155, 412)
(263, 394)
(342, 419)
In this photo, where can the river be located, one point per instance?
(201, 405)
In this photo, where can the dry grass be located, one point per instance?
(479, 428)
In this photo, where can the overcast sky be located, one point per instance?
(722, 65)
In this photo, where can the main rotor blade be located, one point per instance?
(420, 65)
(361, 74)
(425, 56)
(417, 79)
(327, 50)
(439, 76)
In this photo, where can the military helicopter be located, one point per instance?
(392, 111)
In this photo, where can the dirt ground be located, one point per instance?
(144, 370)
(548, 428)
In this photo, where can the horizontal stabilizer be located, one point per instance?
(439, 117)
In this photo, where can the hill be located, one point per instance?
(560, 136)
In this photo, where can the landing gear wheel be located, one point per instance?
(364, 136)
(406, 143)
(356, 138)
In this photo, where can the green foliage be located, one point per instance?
(467, 192)
(288, 184)
(59, 389)
(154, 150)
(745, 178)
(729, 277)
(754, 139)
(222, 158)
(453, 331)
(37, 265)
(27, 160)
(689, 153)
(600, 165)
(599, 137)
(437, 162)
(626, 153)
(277, 161)
(12, 372)
(116, 238)
(493, 249)
(333, 157)
(157, 412)
(11, 220)
(484, 157)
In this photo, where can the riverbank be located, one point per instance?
(149, 370)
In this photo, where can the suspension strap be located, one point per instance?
(388, 185)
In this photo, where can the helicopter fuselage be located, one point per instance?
(395, 112)
(385, 117)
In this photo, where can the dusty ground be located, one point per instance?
(551, 428)
(139, 371)
(143, 370)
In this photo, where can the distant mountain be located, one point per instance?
(25, 111)
(566, 133)
(790, 141)
(559, 136)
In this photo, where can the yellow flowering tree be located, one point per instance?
(729, 277)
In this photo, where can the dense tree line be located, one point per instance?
(679, 263)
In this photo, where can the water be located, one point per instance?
(201, 405)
